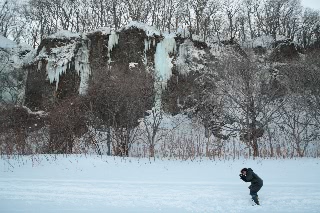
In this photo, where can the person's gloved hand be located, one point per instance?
(242, 177)
(249, 187)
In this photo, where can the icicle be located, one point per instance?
(146, 48)
(170, 44)
(54, 70)
(39, 65)
(163, 62)
(181, 65)
(82, 66)
(113, 41)
(58, 61)
(163, 66)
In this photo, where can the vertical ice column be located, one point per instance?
(162, 59)
(146, 48)
(113, 41)
(163, 65)
(82, 66)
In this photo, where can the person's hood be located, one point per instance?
(249, 169)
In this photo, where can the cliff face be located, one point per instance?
(193, 59)
(118, 75)
(53, 74)
(68, 64)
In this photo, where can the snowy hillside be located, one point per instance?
(6, 43)
(12, 76)
(54, 183)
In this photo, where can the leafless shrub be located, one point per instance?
(16, 123)
(67, 121)
(119, 97)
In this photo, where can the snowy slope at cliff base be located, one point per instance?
(48, 183)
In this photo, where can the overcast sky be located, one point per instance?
(315, 4)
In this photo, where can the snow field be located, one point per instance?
(48, 183)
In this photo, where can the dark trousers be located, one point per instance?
(253, 192)
(254, 189)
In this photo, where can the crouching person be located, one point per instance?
(248, 175)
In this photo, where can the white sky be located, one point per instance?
(314, 4)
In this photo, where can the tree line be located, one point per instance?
(30, 21)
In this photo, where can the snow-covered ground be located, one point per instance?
(49, 183)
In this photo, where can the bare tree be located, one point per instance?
(310, 22)
(152, 124)
(250, 7)
(120, 98)
(247, 107)
(289, 18)
(7, 17)
(299, 125)
(198, 7)
(231, 8)
(209, 19)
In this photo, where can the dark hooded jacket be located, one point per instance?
(253, 178)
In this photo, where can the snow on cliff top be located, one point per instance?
(263, 41)
(150, 31)
(64, 34)
(103, 30)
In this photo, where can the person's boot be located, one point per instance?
(255, 198)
